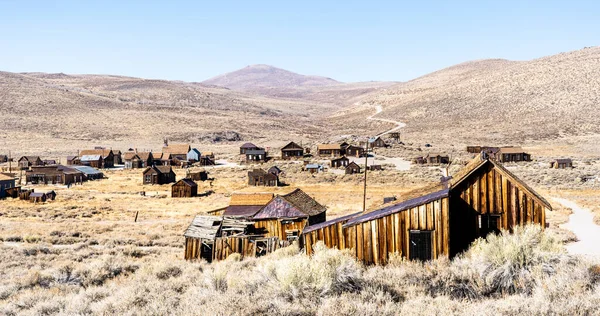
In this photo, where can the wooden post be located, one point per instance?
(136, 216)
(365, 184)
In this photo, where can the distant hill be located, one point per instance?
(256, 77)
(497, 101)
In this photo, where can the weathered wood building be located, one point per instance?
(354, 151)
(352, 168)
(177, 151)
(314, 168)
(376, 142)
(248, 146)
(94, 161)
(158, 175)
(246, 205)
(329, 150)
(29, 161)
(198, 175)
(440, 220)
(57, 174)
(562, 163)
(435, 158)
(256, 155)
(339, 162)
(193, 155)
(292, 151)
(6, 182)
(108, 157)
(285, 216)
(89, 173)
(259, 177)
(184, 188)
(512, 154)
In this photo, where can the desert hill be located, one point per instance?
(497, 101)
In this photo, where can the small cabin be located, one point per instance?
(314, 168)
(177, 151)
(28, 161)
(376, 142)
(107, 155)
(94, 161)
(193, 155)
(512, 154)
(36, 197)
(352, 168)
(184, 188)
(292, 151)
(6, 182)
(438, 159)
(339, 162)
(200, 175)
(259, 177)
(248, 146)
(256, 155)
(275, 170)
(329, 150)
(132, 160)
(50, 195)
(562, 163)
(158, 175)
(73, 160)
(354, 151)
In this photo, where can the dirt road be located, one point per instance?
(400, 163)
(581, 222)
(379, 109)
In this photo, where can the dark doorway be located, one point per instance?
(489, 224)
(420, 245)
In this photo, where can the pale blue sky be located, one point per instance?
(346, 40)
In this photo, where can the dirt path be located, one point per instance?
(400, 163)
(581, 222)
(379, 109)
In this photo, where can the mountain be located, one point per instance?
(496, 101)
(256, 77)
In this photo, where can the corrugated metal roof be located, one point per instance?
(399, 207)
(90, 157)
(87, 170)
(204, 227)
(314, 227)
(242, 210)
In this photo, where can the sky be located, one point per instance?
(346, 40)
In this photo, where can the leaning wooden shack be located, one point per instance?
(440, 220)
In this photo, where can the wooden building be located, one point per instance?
(314, 168)
(435, 158)
(246, 205)
(512, 154)
(162, 159)
(285, 216)
(562, 163)
(177, 151)
(29, 161)
(146, 158)
(194, 155)
(441, 220)
(329, 150)
(184, 188)
(3, 158)
(49, 162)
(276, 171)
(352, 168)
(339, 162)
(57, 174)
(108, 157)
(256, 155)
(292, 151)
(376, 142)
(354, 151)
(118, 157)
(6, 182)
(259, 177)
(37, 197)
(50, 195)
(94, 161)
(158, 175)
(73, 161)
(331, 233)
(89, 173)
(132, 160)
(248, 146)
(198, 175)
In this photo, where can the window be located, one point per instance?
(489, 223)
(148, 178)
(420, 245)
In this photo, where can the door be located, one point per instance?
(488, 224)
(420, 245)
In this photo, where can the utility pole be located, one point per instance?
(365, 182)
(9, 162)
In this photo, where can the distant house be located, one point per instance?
(207, 160)
(162, 159)
(420, 160)
(108, 158)
(248, 146)
(132, 160)
(158, 175)
(56, 174)
(376, 142)
(47, 162)
(3, 158)
(256, 155)
(285, 216)
(352, 168)
(291, 151)
(434, 158)
(94, 161)
(200, 175)
(118, 159)
(354, 151)
(28, 161)
(375, 168)
(259, 177)
(146, 158)
(89, 173)
(275, 170)
(329, 150)
(177, 151)
(339, 162)
(485, 149)
(512, 154)
(193, 155)
(184, 188)
(314, 168)
(73, 160)
(36, 197)
(246, 205)
(562, 163)
(6, 182)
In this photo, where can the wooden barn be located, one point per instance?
(339, 162)
(184, 188)
(177, 151)
(512, 154)
(108, 157)
(57, 174)
(158, 175)
(329, 150)
(354, 151)
(94, 161)
(292, 151)
(562, 163)
(259, 177)
(285, 216)
(246, 205)
(198, 175)
(29, 161)
(352, 168)
(442, 220)
(214, 238)
(248, 146)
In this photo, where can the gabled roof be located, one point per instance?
(340, 158)
(242, 210)
(30, 158)
(194, 151)
(204, 227)
(292, 205)
(90, 157)
(292, 146)
(344, 218)
(145, 155)
(248, 145)
(130, 156)
(511, 150)
(87, 170)
(373, 139)
(4, 177)
(353, 165)
(103, 152)
(159, 169)
(251, 198)
(177, 149)
(188, 182)
(304, 202)
(329, 147)
(70, 158)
